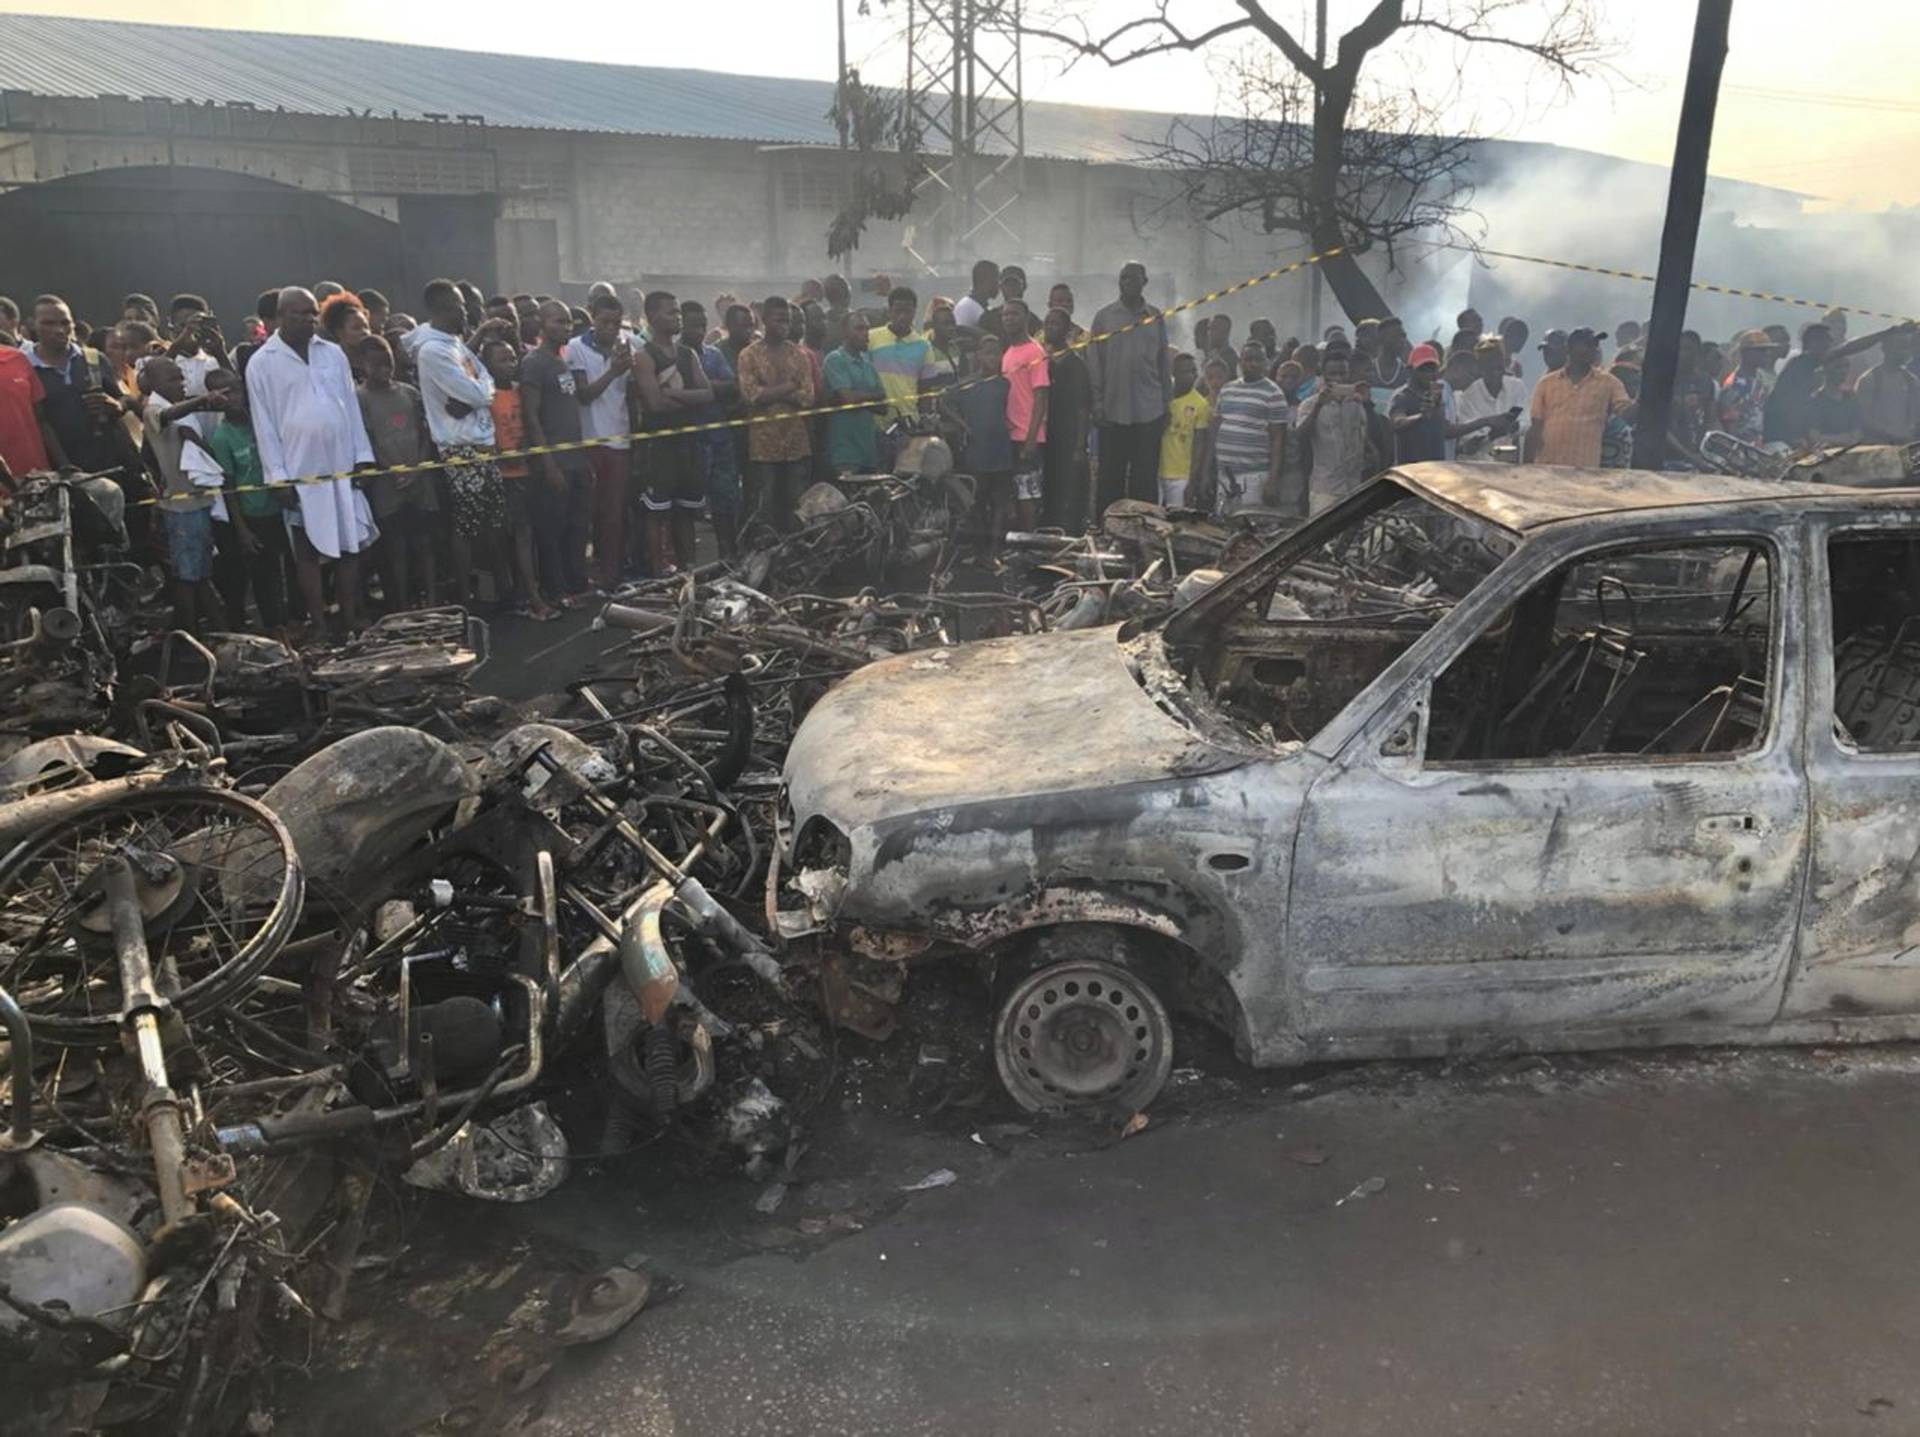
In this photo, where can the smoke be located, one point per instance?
(1588, 209)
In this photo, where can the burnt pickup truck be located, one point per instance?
(1484, 758)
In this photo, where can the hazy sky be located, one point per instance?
(1813, 96)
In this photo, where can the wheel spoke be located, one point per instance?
(236, 861)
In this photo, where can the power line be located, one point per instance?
(1834, 99)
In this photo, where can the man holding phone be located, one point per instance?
(83, 401)
(198, 348)
(1333, 432)
(1424, 423)
(1496, 393)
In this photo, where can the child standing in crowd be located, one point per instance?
(259, 532)
(189, 489)
(405, 506)
(128, 346)
(1183, 447)
(1028, 389)
(981, 404)
(527, 518)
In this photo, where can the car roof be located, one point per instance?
(1522, 497)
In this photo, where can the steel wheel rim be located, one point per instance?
(243, 901)
(1083, 1033)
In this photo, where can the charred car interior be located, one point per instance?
(1876, 637)
(1641, 650)
(1295, 652)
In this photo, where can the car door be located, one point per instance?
(1536, 896)
(1860, 939)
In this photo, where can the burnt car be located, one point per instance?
(1484, 758)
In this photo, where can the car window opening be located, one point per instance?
(1324, 626)
(1652, 652)
(1875, 588)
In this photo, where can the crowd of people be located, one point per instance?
(339, 429)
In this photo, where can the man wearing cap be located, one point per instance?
(1422, 413)
(1571, 405)
(1553, 349)
(1743, 395)
(1494, 393)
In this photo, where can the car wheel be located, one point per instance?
(1083, 1033)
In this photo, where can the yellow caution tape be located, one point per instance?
(1154, 316)
(1820, 304)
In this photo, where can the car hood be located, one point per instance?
(999, 719)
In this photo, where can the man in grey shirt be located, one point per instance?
(1332, 430)
(1132, 380)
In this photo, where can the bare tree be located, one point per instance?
(1316, 150)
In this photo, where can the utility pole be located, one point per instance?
(964, 98)
(1686, 194)
(1319, 63)
(846, 123)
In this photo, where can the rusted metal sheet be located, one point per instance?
(1521, 497)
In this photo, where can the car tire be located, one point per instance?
(1083, 1033)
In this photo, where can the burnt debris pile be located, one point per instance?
(284, 932)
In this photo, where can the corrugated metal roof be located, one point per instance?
(332, 75)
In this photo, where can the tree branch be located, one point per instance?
(1164, 37)
(1282, 38)
(1554, 57)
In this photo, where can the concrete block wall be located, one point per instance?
(631, 209)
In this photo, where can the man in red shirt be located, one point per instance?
(27, 441)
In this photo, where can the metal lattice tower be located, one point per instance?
(963, 95)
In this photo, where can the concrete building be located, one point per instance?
(170, 158)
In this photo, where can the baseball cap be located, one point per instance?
(1753, 339)
(1552, 336)
(1583, 334)
(1423, 354)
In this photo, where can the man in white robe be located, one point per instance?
(306, 422)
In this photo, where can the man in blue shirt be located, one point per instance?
(853, 435)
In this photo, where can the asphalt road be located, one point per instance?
(1687, 1245)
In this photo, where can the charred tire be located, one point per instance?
(1082, 1033)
